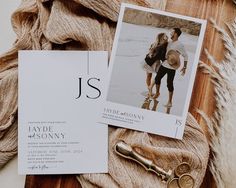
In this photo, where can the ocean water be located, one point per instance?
(128, 81)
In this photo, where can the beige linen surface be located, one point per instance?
(90, 25)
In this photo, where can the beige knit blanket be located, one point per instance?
(90, 25)
(166, 153)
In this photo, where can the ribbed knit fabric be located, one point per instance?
(167, 153)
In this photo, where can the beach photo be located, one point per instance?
(142, 75)
(152, 67)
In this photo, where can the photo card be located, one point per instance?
(152, 69)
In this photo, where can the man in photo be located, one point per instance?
(174, 49)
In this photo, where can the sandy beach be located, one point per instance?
(127, 85)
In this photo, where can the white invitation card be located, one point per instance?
(59, 97)
(152, 69)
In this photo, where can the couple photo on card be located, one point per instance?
(166, 47)
(152, 70)
(163, 59)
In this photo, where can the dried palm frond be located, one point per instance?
(222, 126)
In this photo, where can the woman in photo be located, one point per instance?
(154, 57)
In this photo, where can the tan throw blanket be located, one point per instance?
(90, 25)
(167, 153)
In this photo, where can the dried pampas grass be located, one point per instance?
(222, 126)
